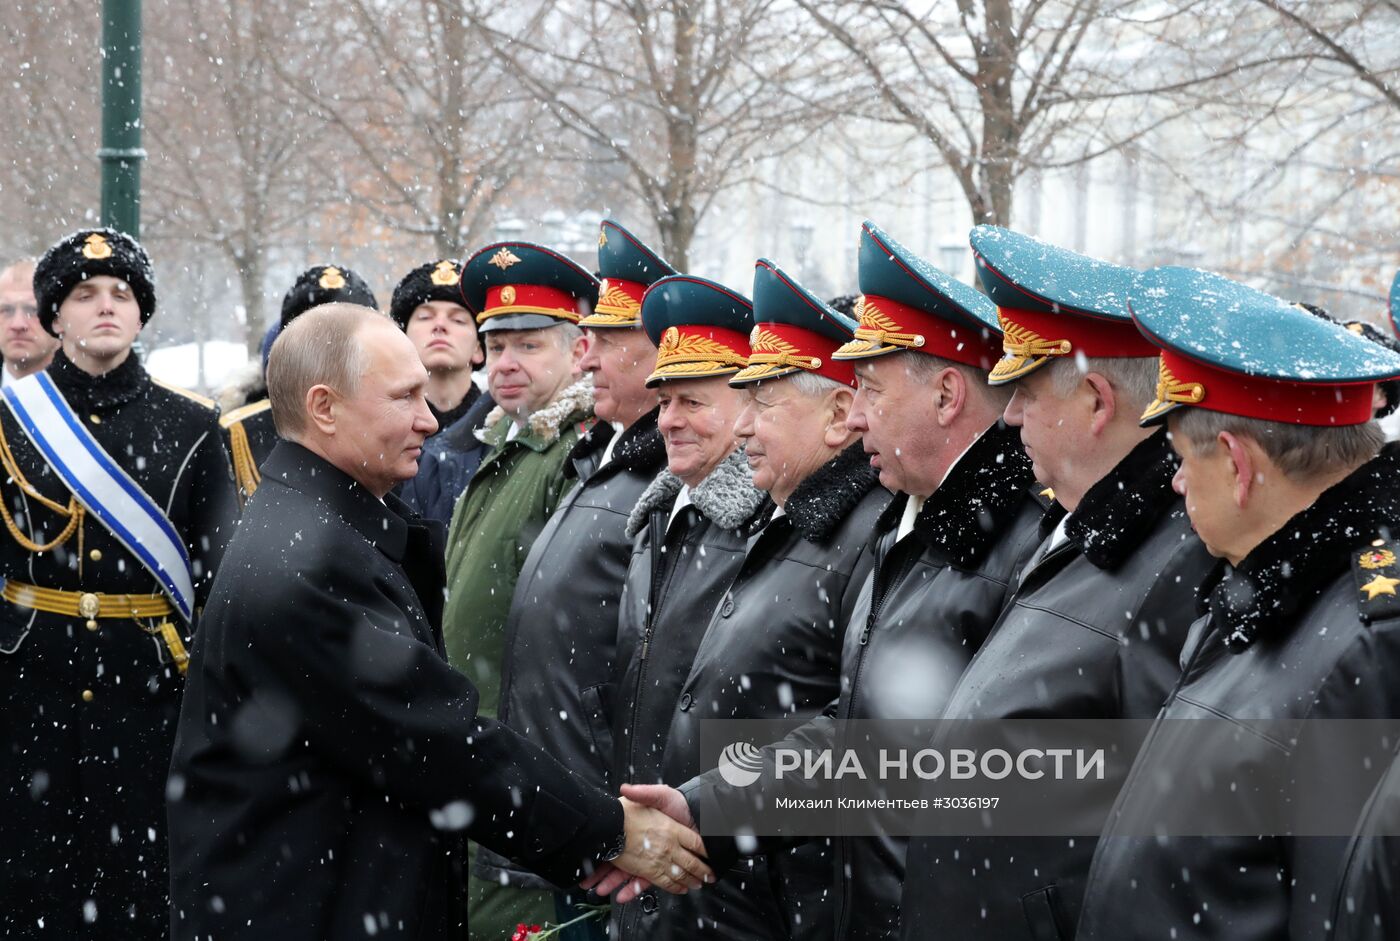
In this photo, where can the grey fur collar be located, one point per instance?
(547, 423)
(726, 498)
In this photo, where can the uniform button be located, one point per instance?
(87, 695)
(94, 419)
(95, 555)
(726, 609)
(686, 700)
(91, 624)
(649, 903)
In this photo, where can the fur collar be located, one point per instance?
(823, 501)
(973, 506)
(726, 498)
(1119, 511)
(640, 449)
(1287, 571)
(546, 424)
(246, 384)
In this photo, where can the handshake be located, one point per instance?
(663, 847)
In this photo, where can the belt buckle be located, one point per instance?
(88, 605)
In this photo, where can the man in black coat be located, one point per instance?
(561, 634)
(943, 555)
(1100, 612)
(92, 641)
(329, 764)
(1220, 831)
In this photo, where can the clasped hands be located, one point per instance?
(663, 847)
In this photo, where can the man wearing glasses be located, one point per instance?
(24, 345)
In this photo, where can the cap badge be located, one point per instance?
(95, 247)
(508, 294)
(602, 238)
(445, 274)
(332, 279)
(504, 258)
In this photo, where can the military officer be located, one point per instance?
(561, 633)
(772, 649)
(1094, 627)
(118, 500)
(944, 551)
(249, 428)
(1286, 479)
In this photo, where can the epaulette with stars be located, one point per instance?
(1377, 574)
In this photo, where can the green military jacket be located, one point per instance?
(496, 520)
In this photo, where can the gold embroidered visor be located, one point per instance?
(697, 351)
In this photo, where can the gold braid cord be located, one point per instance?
(245, 467)
(73, 511)
(1172, 391)
(769, 349)
(1021, 343)
(878, 327)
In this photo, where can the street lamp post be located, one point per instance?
(121, 153)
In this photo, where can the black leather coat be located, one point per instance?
(1093, 630)
(926, 608)
(1288, 635)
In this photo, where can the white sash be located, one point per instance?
(101, 486)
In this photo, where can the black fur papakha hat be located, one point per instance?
(89, 253)
(325, 284)
(434, 281)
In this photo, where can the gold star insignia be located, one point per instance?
(504, 258)
(1380, 585)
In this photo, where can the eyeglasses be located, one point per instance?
(23, 310)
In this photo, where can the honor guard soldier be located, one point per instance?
(772, 649)
(943, 552)
(691, 529)
(251, 435)
(1094, 627)
(561, 633)
(1286, 479)
(528, 301)
(117, 499)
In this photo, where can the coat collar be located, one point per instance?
(823, 501)
(1123, 508)
(639, 450)
(726, 498)
(543, 428)
(976, 502)
(385, 524)
(446, 419)
(1287, 571)
(85, 391)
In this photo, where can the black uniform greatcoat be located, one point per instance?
(330, 764)
(679, 571)
(772, 650)
(561, 634)
(1367, 905)
(87, 717)
(1093, 631)
(1288, 635)
(918, 619)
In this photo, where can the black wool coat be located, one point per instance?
(329, 764)
(561, 635)
(1290, 634)
(1093, 631)
(920, 616)
(87, 717)
(1367, 903)
(772, 650)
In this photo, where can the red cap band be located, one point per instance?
(1186, 381)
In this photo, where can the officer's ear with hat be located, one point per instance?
(794, 332)
(1053, 303)
(325, 284)
(433, 281)
(524, 286)
(908, 305)
(89, 253)
(627, 266)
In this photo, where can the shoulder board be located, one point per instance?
(192, 396)
(1046, 498)
(1377, 580)
(244, 412)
